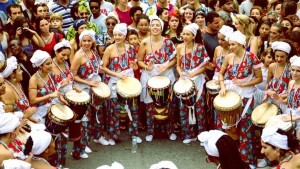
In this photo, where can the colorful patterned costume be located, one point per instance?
(189, 63)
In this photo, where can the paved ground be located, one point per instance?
(190, 156)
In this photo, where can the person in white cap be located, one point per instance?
(240, 72)
(85, 68)
(156, 56)
(42, 88)
(164, 164)
(221, 149)
(279, 74)
(278, 145)
(119, 62)
(191, 59)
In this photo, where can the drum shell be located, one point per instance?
(189, 98)
(212, 88)
(97, 99)
(75, 131)
(161, 114)
(160, 97)
(79, 108)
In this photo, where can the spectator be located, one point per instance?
(226, 8)
(245, 7)
(13, 11)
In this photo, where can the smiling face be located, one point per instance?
(269, 151)
(222, 42)
(63, 55)
(87, 42)
(119, 37)
(47, 66)
(155, 27)
(256, 14)
(143, 26)
(281, 57)
(188, 14)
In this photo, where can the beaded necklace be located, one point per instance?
(62, 70)
(153, 52)
(87, 57)
(279, 81)
(22, 94)
(185, 60)
(238, 68)
(45, 83)
(124, 60)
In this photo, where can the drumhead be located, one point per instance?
(129, 87)
(159, 82)
(102, 90)
(278, 122)
(62, 112)
(212, 85)
(262, 113)
(230, 101)
(183, 86)
(77, 97)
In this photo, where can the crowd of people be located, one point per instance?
(82, 71)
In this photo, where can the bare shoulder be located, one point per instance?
(145, 41)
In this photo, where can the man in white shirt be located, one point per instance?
(106, 7)
(97, 17)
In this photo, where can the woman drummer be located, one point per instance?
(241, 70)
(278, 146)
(191, 58)
(279, 73)
(119, 61)
(14, 97)
(156, 54)
(85, 68)
(42, 87)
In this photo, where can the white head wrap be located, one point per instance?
(2, 57)
(154, 17)
(41, 139)
(164, 164)
(62, 43)
(210, 138)
(16, 164)
(114, 165)
(282, 46)
(192, 28)
(295, 61)
(238, 37)
(122, 28)
(39, 57)
(270, 135)
(8, 123)
(11, 65)
(89, 33)
(227, 31)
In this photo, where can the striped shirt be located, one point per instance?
(65, 12)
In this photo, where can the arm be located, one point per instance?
(141, 54)
(106, 57)
(74, 69)
(8, 99)
(221, 74)
(258, 79)
(270, 74)
(254, 45)
(178, 49)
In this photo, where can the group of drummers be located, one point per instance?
(84, 100)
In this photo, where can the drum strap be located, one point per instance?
(126, 107)
(192, 118)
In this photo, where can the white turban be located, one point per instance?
(238, 37)
(63, 43)
(210, 138)
(114, 165)
(192, 28)
(270, 135)
(16, 164)
(39, 57)
(89, 33)
(295, 61)
(154, 17)
(122, 28)
(164, 164)
(227, 31)
(2, 57)
(11, 65)
(282, 46)
(41, 139)
(8, 123)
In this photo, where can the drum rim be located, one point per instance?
(256, 108)
(77, 102)
(239, 104)
(212, 81)
(101, 97)
(124, 95)
(148, 86)
(60, 121)
(185, 93)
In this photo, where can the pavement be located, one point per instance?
(185, 156)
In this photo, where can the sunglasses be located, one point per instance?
(84, 13)
(110, 23)
(94, 7)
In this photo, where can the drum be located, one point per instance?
(159, 90)
(262, 113)
(100, 93)
(75, 131)
(59, 117)
(78, 102)
(161, 114)
(278, 122)
(184, 89)
(212, 87)
(229, 107)
(128, 88)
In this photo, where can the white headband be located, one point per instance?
(210, 138)
(153, 18)
(164, 164)
(227, 31)
(89, 33)
(8, 123)
(238, 37)
(270, 135)
(192, 28)
(41, 141)
(11, 65)
(295, 61)
(39, 57)
(122, 28)
(282, 46)
(62, 43)
(16, 164)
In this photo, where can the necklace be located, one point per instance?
(278, 80)
(45, 83)
(185, 60)
(4, 144)
(124, 61)
(21, 94)
(238, 68)
(62, 72)
(162, 47)
(46, 40)
(89, 60)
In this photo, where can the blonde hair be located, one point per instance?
(246, 23)
(56, 16)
